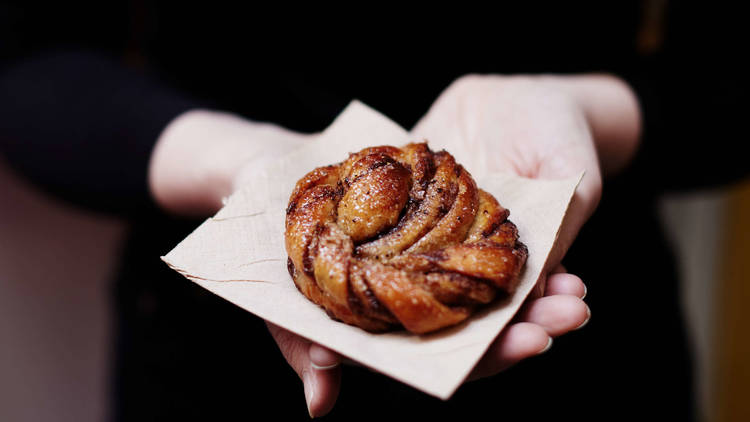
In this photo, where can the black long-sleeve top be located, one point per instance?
(85, 92)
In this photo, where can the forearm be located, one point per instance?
(612, 111)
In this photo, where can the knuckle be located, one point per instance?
(466, 82)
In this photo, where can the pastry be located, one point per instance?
(399, 237)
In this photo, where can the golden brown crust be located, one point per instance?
(399, 237)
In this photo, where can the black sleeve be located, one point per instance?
(693, 95)
(81, 125)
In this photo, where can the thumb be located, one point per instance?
(317, 367)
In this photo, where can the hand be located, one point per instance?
(521, 125)
(545, 127)
(202, 157)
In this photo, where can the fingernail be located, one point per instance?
(324, 356)
(547, 347)
(309, 391)
(588, 317)
(585, 291)
(324, 367)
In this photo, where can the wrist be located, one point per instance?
(201, 155)
(194, 161)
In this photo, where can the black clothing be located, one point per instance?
(85, 92)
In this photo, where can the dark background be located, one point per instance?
(86, 88)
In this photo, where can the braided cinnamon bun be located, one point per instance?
(397, 237)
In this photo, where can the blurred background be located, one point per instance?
(58, 262)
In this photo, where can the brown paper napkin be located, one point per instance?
(239, 255)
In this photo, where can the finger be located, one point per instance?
(322, 358)
(556, 314)
(317, 366)
(538, 291)
(327, 379)
(565, 284)
(518, 341)
(324, 386)
(540, 288)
